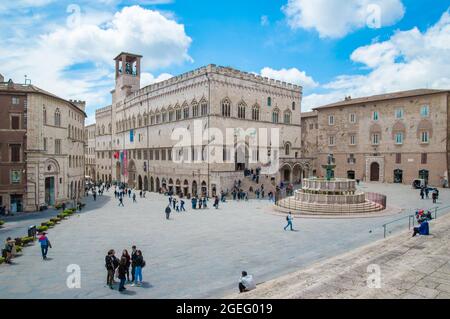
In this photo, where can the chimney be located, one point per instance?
(2, 79)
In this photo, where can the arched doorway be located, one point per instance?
(131, 174)
(170, 185)
(185, 187)
(194, 188)
(164, 184)
(398, 176)
(351, 174)
(158, 186)
(374, 172)
(285, 173)
(178, 187)
(423, 174)
(204, 189)
(145, 183)
(241, 156)
(297, 174)
(152, 184)
(140, 182)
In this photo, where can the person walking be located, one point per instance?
(134, 198)
(121, 201)
(216, 202)
(129, 192)
(140, 263)
(140, 194)
(45, 244)
(128, 263)
(434, 197)
(121, 273)
(9, 246)
(182, 206)
(111, 263)
(168, 211)
(94, 194)
(174, 203)
(289, 221)
(427, 191)
(133, 262)
(422, 193)
(204, 202)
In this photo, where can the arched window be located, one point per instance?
(177, 113)
(226, 108)
(145, 119)
(44, 115)
(287, 117)
(186, 112)
(241, 110)
(134, 122)
(269, 101)
(139, 120)
(275, 116)
(103, 129)
(204, 107)
(57, 118)
(287, 149)
(255, 112)
(109, 128)
(293, 106)
(195, 109)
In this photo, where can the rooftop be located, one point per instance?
(382, 97)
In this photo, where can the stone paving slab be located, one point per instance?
(410, 268)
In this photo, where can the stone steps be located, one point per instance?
(300, 208)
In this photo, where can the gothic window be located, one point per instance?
(275, 116)
(226, 108)
(204, 107)
(194, 109)
(255, 112)
(44, 115)
(287, 149)
(186, 112)
(287, 117)
(241, 110)
(57, 118)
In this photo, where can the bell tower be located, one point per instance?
(128, 75)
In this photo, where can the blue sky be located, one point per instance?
(328, 46)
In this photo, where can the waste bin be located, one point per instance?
(32, 231)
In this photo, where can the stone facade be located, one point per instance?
(393, 138)
(89, 152)
(143, 121)
(49, 166)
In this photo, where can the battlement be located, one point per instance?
(103, 109)
(221, 70)
(80, 104)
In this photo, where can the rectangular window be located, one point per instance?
(399, 113)
(156, 155)
(150, 155)
(163, 155)
(425, 111)
(311, 126)
(331, 140)
(399, 138)
(57, 146)
(45, 144)
(424, 137)
(15, 152)
(375, 139)
(139, 154)
(423, 158)
(352, 139)
(16, 177)
(375, 116)
(145, 155)
(169, 154)
(352, 118)
(351, 159)
(331, 120)
(15, 100)
(15, 122)
(398, 158)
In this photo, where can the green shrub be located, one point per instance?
(18, 249)
(55, 220)
(42, 228)
(27, 240)
(18, 241)
(50, 224)
(61, 216)
(58, 206)
(2, 223)
(2, 260)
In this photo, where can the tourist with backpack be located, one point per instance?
(289, 221)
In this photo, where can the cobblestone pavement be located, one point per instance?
(197, 254)
(414, 268)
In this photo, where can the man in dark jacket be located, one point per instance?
(168, 210)
(111, 263)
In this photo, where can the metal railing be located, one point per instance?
(411, 217)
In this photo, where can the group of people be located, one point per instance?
(425, 193)
(422, 218)
(120, 268)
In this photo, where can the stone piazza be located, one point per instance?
(167, 150)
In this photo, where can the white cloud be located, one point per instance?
(53, 61)
(408, 60)
(293, 75)
(148, 78)
(337, 18)
(264, 21)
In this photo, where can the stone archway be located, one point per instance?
(131, 174)
(374, 169)
(285, 173)
(185, 187)
(145, 183)
(140, 182)
(157, 185)
(297, 174)
(194, 188)
(152, 184)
